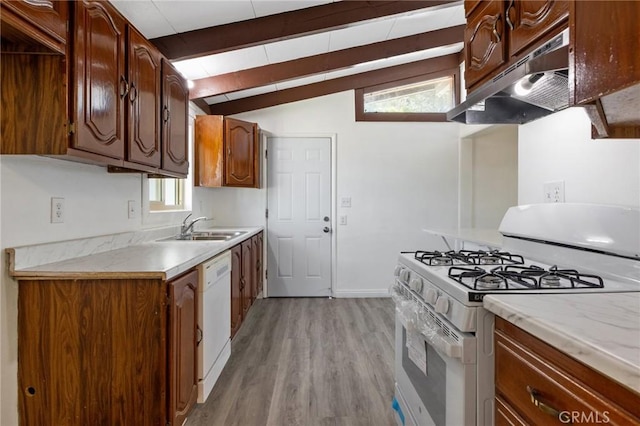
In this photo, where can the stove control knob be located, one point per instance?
(405, 274)
(431, 296)
(442, 305)
(416, 285)
(397, 271)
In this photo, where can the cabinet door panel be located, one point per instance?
(175, 151)
(236, 289)
(247, 277)
(143, 101)
(101, 81)
(182, 346)
(240, 150)
(484, 41)
(532, 19)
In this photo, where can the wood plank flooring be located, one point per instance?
(307, 362)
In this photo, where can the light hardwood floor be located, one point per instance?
(307, 362)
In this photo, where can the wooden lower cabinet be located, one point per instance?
(106, 351)
(183, 374)
(246, 278)
(236, 289)
(538, 385)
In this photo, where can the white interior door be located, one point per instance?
(299, 216)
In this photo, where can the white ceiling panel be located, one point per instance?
(300, 47)
(145, 16)
(252, 92)
(191, 69)
(300, 81)
(359, 35)
(419, 22)
(271, 7)
(189, 15)
(216, 99)
(234, 60)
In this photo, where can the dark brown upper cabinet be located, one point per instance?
(101, 85)
(34, 26)
(485, 48)
(143, 101)
(241, 150)
(226, 152)
(106, 101)
(499, 33)
(605, 43)
(175, 110)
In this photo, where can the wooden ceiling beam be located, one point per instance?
(283, 71)
(357, 81)
(283, 26)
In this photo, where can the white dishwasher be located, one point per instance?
(214, 321)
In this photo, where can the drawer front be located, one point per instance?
(544, 394)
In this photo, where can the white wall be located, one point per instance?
(401, 177)
(494, 175)
(559, 147)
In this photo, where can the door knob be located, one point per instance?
(326, 219)
(326, 229)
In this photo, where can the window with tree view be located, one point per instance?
(422, 98)
(425, 96)
(166, 194)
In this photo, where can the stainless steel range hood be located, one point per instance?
(544, 70)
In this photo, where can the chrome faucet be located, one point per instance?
(187, 227)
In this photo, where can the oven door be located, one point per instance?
(436, 388)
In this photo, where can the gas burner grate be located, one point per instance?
(515, 277)
(468, 257)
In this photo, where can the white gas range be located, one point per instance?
(444, 337)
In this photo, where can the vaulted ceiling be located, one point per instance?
(244, 55)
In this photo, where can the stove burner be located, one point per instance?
(550, 281)
(441, 260)
(489, 281)
(489, 260)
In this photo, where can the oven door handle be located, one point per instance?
(436, 339)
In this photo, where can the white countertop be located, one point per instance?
(150, 260)
(602, 330)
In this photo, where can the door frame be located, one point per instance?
(334, 196)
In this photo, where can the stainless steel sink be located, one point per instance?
(207, 236)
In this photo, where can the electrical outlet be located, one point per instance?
(343, 220)
(131, 209)
(345, 202)
(57, 210)
(554, 192)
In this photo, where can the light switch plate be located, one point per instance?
(345, 202)
(343, 220)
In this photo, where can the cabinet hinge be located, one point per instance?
(266, 274)
(71, 128)
(266, 213)
(266, 153)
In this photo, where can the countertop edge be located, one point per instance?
(209, 251)
(613, 367)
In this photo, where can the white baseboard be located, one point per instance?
(360, 293)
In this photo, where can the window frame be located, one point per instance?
(361, 115)
(159, 206)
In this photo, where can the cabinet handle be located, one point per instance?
(200, 335)
(133, 93)
(166, 114)
(496, 34)
(229, 152)
(542, 406)
(507, 17)
(124, 87)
